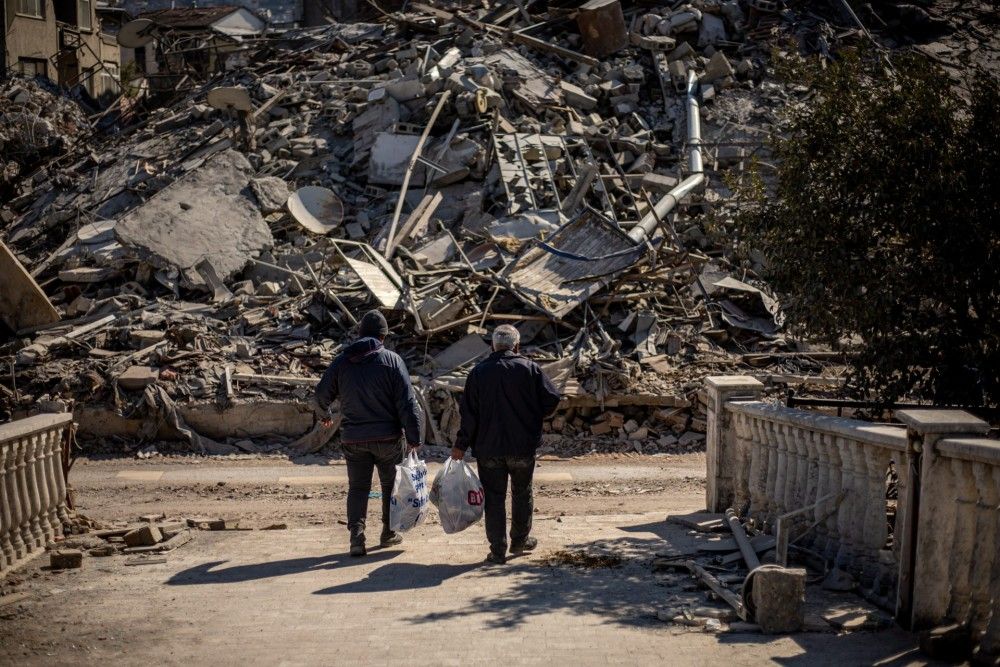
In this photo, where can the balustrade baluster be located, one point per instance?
(845, 515)
(53, 470)
(42, 484)
(13, 497)
(770, 490)
(876, 460)
(800, 470)
(758, 470)
(31, 461)
(60, 478)
(781, 495)
(30, 542)
(822, 487)
(6, 518)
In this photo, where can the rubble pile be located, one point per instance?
(37, 123)
(456, 168)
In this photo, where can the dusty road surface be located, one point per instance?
(293, 597)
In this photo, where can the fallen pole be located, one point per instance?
(718, 588)
(742, 541)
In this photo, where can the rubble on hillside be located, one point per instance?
(456, 168)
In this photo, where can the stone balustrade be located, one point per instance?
(940, 562)
(32, 485)
(956, 536)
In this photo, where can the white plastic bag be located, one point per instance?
(458, 495)
(408, 505)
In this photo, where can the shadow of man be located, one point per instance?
(399, 577)
(207, 574)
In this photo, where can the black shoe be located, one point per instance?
(390, 539)
(358, 542)
(495, 558)
(528, 544)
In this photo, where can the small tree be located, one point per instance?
(885, 225)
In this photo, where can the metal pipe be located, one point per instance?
(685, 187)
(742, 541)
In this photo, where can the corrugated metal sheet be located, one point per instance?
(556, 284)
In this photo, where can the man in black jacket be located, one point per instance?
(506, 398)
(378, 406)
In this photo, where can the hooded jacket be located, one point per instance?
(506, 397)
(376, 397)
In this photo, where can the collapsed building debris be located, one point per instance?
(458, 169)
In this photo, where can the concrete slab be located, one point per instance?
(206, 214)
(23, 304)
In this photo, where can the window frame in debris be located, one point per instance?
(35, 63)
(85, 15)
(110, 78)
(24, 10)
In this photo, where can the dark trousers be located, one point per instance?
(362, 459)
(493, 473)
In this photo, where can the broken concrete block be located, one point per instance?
(602, 26)
(600, 428)
(146, 536)
(390, 154)
(779, 596)
(271, 193)
(203, 215)
(145, 337)
(137, 378)
(712, 30)
(64, 559)
(658, 183)
(576, 97)
(718, 67)
(640, 433)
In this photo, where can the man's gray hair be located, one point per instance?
(505, 337)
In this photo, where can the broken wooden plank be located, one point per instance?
(541, 45)
(409, 168)
(420, 217)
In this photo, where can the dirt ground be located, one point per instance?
(250, 489)
(292, 597)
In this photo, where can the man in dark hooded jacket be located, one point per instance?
(378, 406)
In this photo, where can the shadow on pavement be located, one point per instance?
(401, 577)
(623, 595)
(206, 574)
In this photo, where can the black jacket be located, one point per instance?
(376, 398)
(505, 399)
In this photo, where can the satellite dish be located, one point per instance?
(317, 209)
(230, 98)
(134, 34)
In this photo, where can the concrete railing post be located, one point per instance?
(721, 443)
(926, 533)
(987, 516)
